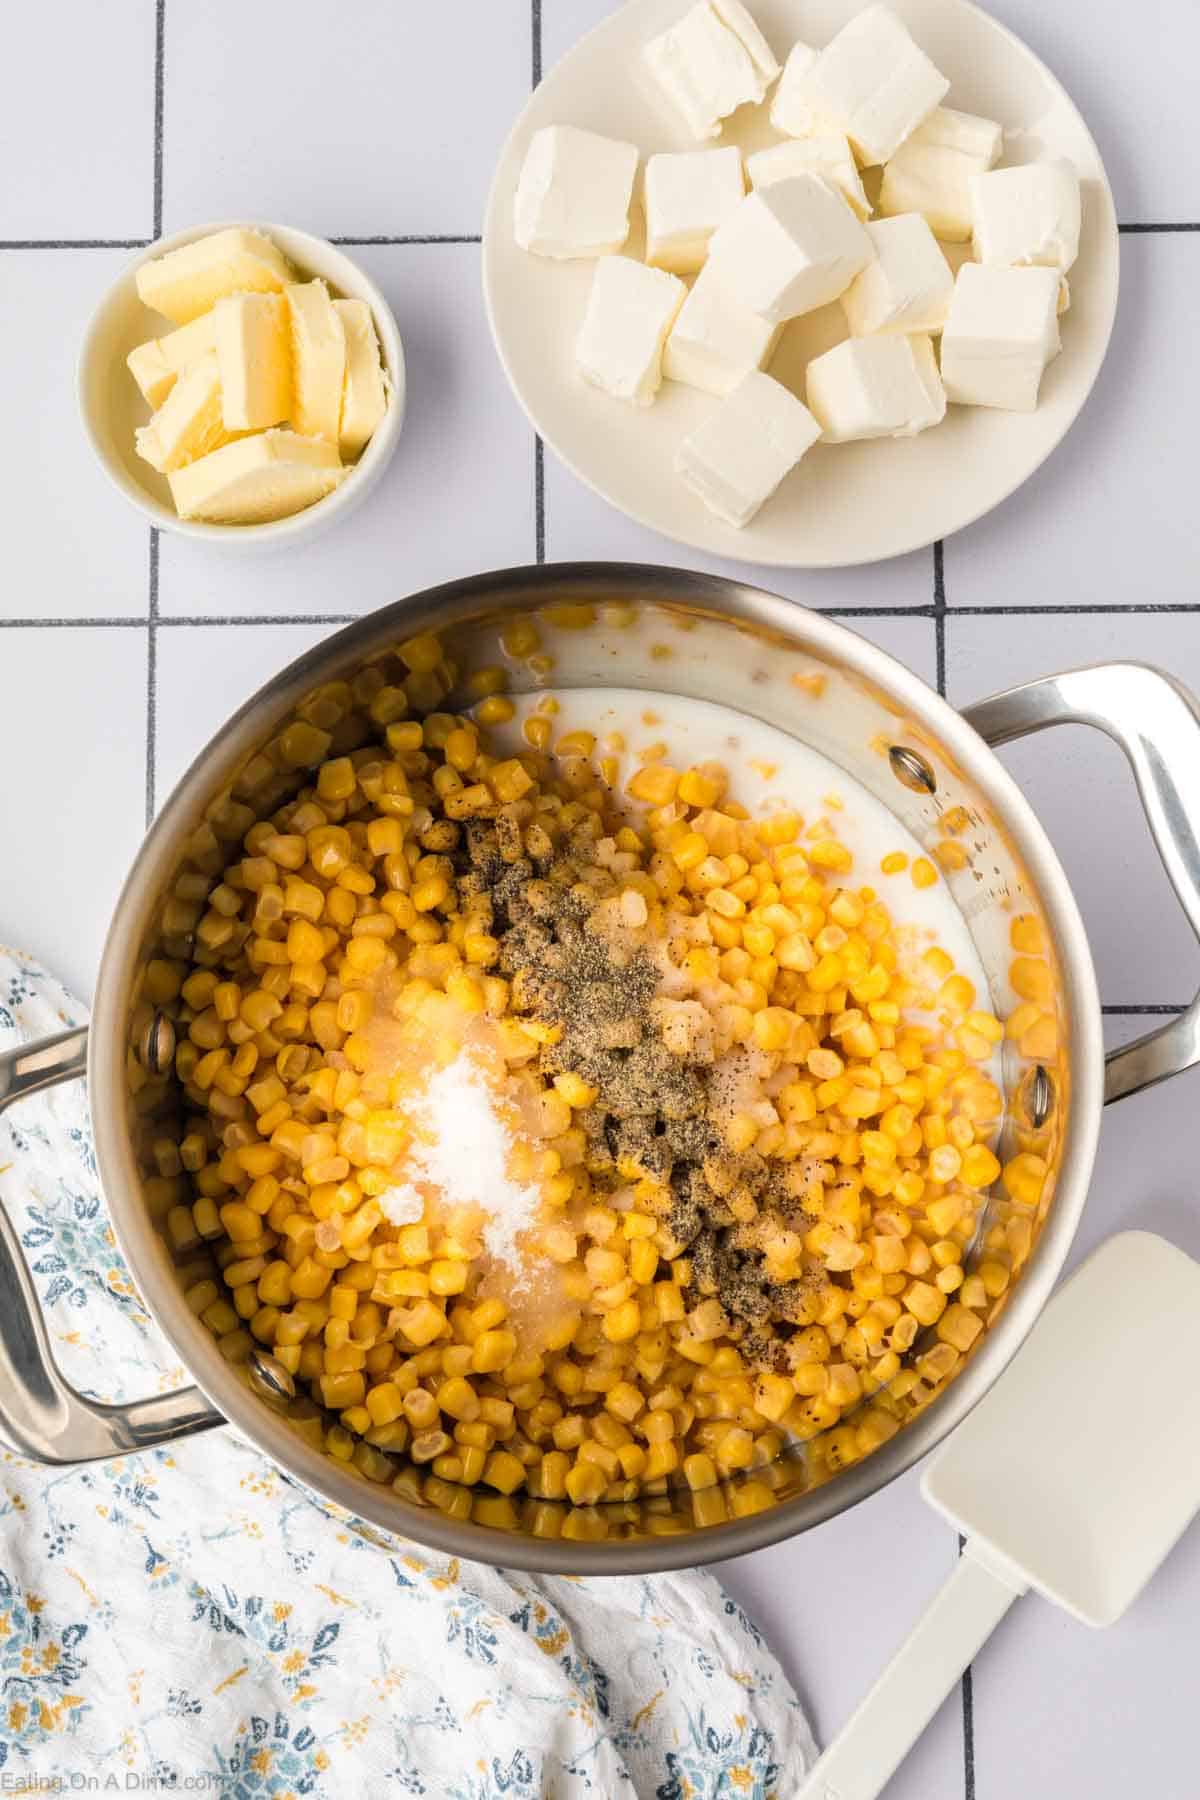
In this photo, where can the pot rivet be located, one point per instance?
(269, 1379)
(911, 769)
(1036, 1096)
(156, 1052)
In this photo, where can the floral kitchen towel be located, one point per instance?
(192, 1621)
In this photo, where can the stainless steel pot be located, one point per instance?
(700, 636)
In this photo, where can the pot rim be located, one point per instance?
(522, 587)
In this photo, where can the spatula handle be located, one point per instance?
(877, 1737)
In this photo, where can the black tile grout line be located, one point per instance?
(1131, 1012)
(1133, 229)
(939, 614)
(123, 621)
(967, 1693)
(539, 500)
(264, 619)
(968, 1723)
(414, 238)
(923, 610)
(1148, 606)
(160, 27)
(152, 679)
(136, 243)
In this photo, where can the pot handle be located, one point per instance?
(1156, 721)
(42, 1417)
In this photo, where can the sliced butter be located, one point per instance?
(186, 282)
(318, 360)
(254, 358)
(156, 365)
(364, 398)
(188, 424)
(257, 479)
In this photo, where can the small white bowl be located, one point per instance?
(111, 405)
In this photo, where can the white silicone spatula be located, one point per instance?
(1075, 1476)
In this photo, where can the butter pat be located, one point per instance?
(687, 195)
(1001, 331)
(712, 61)
(872, 84)
(737, 458)
(790, 248)
(1030, 214)
(364, 398)
(189, 422)
(876, 387)
(716, 341)
(318, 342)
(829, 157)
(187, 282)
(931, 173)
(156, 366)
(257, 479)
(908, 286)
(573, 194)
(630, 310)
(254, 360)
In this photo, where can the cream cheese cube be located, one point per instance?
(737, 458)
(790, 248)
(254, 359)
(876, 387)
(829, 157)
(1001, 331)
(269, 475)
(573, 194)
(188, 424)
(908, 286)
(716, 341)
(318, 340)
(365, 395)
(156, 365)
(967, 133)
(873, 84)
(687, 194)
(630, 310)
(186, 282)
(931, 172)
(713, 60)
(1030, 214)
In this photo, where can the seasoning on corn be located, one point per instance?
(664, 1058)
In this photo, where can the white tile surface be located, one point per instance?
(204, 673)
(77, 120)
(457, 496)
(72, 549)
(73, 736)
(1080, 786)
(1110, 519)
(1115, 62)
(349, 121)
(353, 135)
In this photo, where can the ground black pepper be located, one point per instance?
(653, 1108)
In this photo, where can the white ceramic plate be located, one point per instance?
(846, 503)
